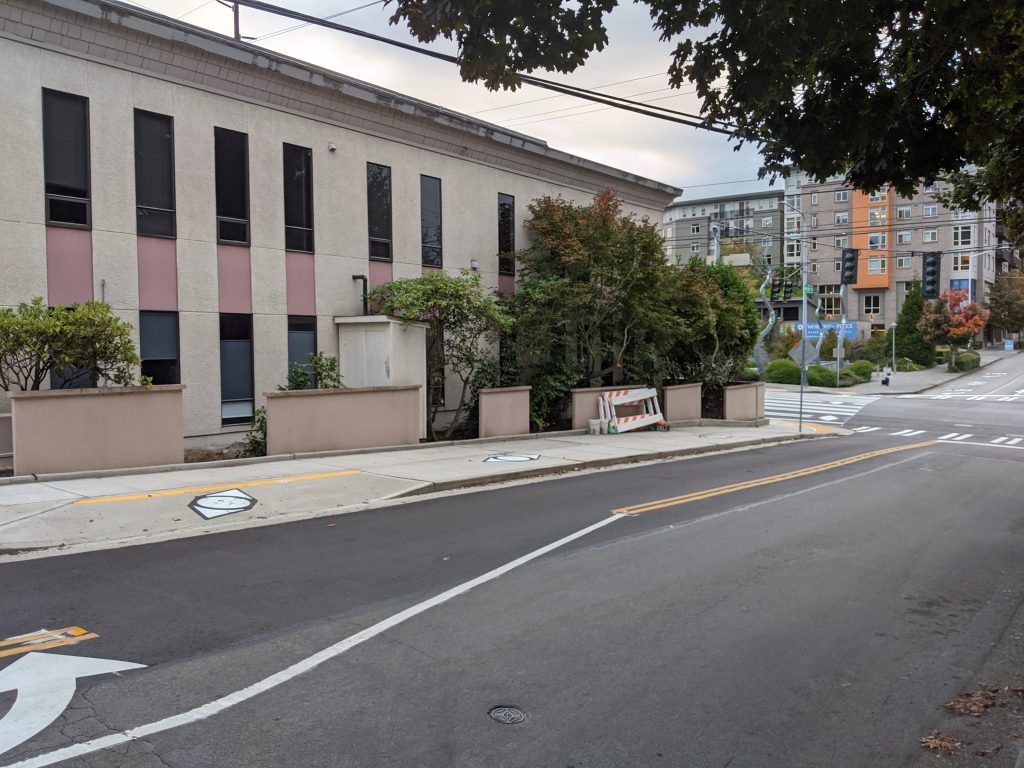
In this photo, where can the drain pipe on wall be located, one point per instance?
(366, 298)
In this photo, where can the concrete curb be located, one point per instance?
(943, 383)
(613, 461)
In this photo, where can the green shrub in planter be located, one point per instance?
(782, 372)
(748, 374)
(862, 369)
(820, 376)
(967, 361)
(848, 378)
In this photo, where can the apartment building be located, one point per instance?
(227, 200)
(890, 232)
(750, 228)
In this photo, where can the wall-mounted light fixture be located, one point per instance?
(332, 147)
(474, 265)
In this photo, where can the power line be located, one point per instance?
(514, 122)
(325, 18)
(188, 13)
(549, 98)
(662, 113)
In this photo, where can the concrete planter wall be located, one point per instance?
(744, 402)
(584, 404)
(313, 420)
(70, 430)
(504, 411)
(682, 402)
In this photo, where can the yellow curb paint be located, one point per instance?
(724, 489)
(209, 488)
(27, 643)
(812, 427)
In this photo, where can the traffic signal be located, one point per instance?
(787, 291)
(777, 285)
(848, 273)
(930, 272)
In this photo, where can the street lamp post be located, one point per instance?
(804, 255)
(894, 347)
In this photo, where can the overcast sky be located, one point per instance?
(694, 160)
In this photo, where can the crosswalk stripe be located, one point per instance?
(1000, 439)
(1014, 441)
(915, 432)
(963, 437)
(901, 432)
(868, 429)
(949, 436)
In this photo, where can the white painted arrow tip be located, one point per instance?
(36, 666)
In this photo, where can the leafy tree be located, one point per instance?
(719, 325)
(882, 91)
(1006, 302)
(463, 321)
(952, 320)
(36, 340)
(590, 304)
(910, 342)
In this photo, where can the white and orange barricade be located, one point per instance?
(646, 400)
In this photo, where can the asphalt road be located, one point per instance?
(815, 620)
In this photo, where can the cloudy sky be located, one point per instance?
(633, 65)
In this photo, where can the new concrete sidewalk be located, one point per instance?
(54, 516)
(906, 383)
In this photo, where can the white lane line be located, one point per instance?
(915, 432)
(989, 445)
(1013, 441)
(949, 436)
(1000, 440)
(942, 397)
(867, 429)
(288, 673)
(964, 436)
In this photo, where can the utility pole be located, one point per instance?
(804, 258)
(238, 31)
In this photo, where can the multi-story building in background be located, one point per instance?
(890, 232)
(750, 228)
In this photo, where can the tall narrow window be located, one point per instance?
(158, 346)
(236, 381)
(430, 221)
(298, 198)
(66, 158)
(301, 342)
(506, 234)
(231, 166)
(378, 201)
(154, 174)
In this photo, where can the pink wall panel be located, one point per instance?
(158, 274)
(506, 284)
(380, 272)
(234, 279)
(300, 279)
(68, 266)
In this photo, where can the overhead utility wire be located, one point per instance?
(326, 18)
(549, 98)
(662, 113)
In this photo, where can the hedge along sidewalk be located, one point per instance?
(903, 383)
(59, 516)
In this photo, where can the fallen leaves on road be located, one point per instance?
(971, 703)
(938, 742)
(1017, 735)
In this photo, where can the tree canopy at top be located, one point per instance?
(884, 91)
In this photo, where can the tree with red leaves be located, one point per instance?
(952, 320)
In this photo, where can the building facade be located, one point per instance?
(890, 232)
(226, 200)
(750, 228)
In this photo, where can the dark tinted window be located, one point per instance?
(158, 346)
(231, 166)
(378, 199)
(301, 341)
(506, 234)
(430, 220)
(236, 380)
(66, 158)
(298, 198)
(154, 174)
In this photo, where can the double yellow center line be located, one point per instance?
(724, 489)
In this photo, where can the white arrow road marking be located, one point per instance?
(45, 683)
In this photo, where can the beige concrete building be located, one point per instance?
(225, 199)
(750, 228)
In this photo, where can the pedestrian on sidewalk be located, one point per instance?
(886, 375)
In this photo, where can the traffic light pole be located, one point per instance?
(803, 319)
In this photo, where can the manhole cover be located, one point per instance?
(507, 715)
